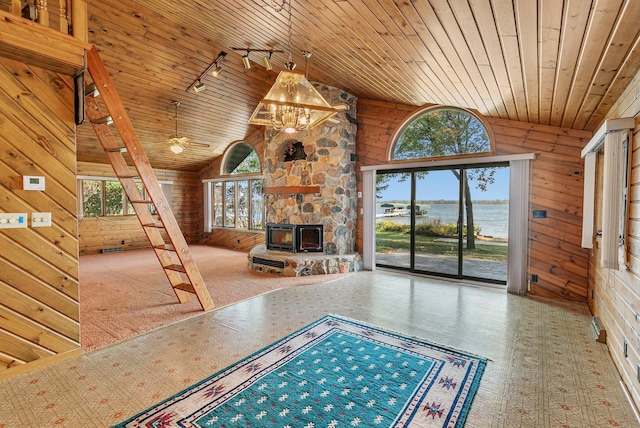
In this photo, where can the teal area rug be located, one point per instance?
(335, 372)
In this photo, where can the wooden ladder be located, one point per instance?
(174, 254)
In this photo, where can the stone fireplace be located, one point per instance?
(309, 179)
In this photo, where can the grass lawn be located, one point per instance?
(391, 241)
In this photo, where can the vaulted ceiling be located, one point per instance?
(554, 62)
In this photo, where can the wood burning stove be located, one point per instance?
(295, 238)
(281, 237)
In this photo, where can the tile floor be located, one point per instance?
(545, 369)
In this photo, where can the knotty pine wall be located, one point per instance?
(231, 238)
(556, 186)
(97, 233)
(614, 295)
(39, 305)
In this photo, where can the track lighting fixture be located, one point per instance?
(199, 87)
(267, 62)
(245, 61)
(213, 68)
(266, 59)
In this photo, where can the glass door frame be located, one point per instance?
(460, 223)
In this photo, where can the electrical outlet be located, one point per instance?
(40, 219)
(13, 220)
(534, 277)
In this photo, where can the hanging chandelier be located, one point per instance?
(292, 104)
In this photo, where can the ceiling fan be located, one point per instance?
(178, 143)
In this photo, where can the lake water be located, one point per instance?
(493, 219)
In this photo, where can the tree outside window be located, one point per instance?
(446, 132)
(102, 198)
(114, 198)
(217, 204)
(238, 202)
(229, 204)
(257, 205)
(91, 198)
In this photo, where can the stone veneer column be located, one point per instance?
(329, 162)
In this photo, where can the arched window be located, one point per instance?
(241, 159)
(440, 132)
(236, 202)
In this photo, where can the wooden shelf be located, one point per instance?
(283, 190)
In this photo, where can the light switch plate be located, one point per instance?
(13, 220)
(40, 219)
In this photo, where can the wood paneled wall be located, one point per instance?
(556, 175)
(614, 295)
(97, 233)
(234, 239)
(39, 306)
(220, 236)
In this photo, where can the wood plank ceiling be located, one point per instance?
(560, 63)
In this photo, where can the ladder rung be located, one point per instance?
(141, 201)
(91, 90)
(116, 150)
(165, 247)
(176, 267)
(156, 224)
(105, 120)
(185, 287)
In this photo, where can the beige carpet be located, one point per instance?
(125, 294)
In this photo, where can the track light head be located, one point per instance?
(245, 61)
(267, 62)
(216, 71)
(199, 87)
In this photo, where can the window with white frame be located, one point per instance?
(608, 156)
(236, 201)
(237, 204)
(105, 197)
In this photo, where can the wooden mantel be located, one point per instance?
(285, 190)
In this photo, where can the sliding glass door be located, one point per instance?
(437, 222)
(450, 222)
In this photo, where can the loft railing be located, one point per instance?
(66, 16)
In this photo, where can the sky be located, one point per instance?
(444, 185)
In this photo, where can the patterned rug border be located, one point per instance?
(461, 417)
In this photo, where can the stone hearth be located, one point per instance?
(301, 264)
(326, 165)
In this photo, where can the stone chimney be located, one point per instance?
(322, 157)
